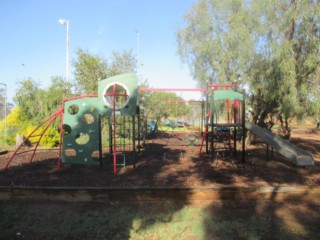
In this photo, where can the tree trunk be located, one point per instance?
(287, 129)
(250, 137)
(262, 119)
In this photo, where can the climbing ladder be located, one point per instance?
(34, 135)
(113, 137)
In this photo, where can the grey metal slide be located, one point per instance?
(298, 156)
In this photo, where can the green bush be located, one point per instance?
(18, 124)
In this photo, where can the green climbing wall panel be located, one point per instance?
(81, 132)
(81, 120)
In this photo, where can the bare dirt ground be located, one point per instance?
(170, 161)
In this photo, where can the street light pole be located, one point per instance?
(5, 113)
(138, 50)
(138, 45)
(66, 22)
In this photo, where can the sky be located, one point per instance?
(33, 43)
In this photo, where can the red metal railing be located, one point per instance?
(49, 121)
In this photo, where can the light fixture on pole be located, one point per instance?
(66, 22)
(5, 112)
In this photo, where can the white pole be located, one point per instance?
(67, 61)
(66, 22)
(138, 48)
(5, 113)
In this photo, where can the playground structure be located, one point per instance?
(221, 137)
(81, 124)
(115, 111)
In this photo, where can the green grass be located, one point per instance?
(57, 220)
(118, 222)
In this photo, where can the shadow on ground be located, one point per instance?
(165, 162)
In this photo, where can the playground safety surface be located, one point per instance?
(170, 161)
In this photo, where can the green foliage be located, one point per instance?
(89, 69)
(36, 103)
(123, 62)
(51, 137)
(27, 98)
(293, 59)
(274, 45)
(17, 123)
(26, 131)
(217, 41)
(161, 105)
(57, 91)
